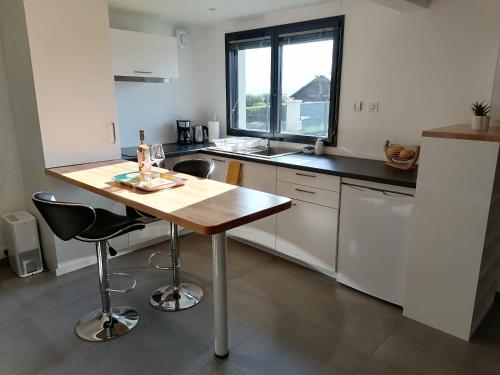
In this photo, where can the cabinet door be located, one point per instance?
(308, 232)
(72, 72)
(262, 178)
(144, 55)
(152, 231)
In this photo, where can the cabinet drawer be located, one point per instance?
(317, 180)
(309, 194)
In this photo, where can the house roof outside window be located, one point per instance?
(318, 90)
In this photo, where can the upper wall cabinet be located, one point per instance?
(71, 69)
(143, 55)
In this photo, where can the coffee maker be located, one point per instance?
(184, 132)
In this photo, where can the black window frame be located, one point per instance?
(337, 23)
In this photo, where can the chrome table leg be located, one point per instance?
(219, 247)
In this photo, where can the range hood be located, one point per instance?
(141, 57)
(142, 79)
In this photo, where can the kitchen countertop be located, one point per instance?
(171, 150)
(465, 132)
(343, 166)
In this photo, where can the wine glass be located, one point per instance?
(157, 154)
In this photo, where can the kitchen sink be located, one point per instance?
(271, 152)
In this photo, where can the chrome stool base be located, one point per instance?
(99, 326)
(167, 299)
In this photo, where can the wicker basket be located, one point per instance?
(394, 160)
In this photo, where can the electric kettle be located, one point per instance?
(200, 133)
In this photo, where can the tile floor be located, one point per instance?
(284, 319)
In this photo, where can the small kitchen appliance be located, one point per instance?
(200, 133)
(184, 132)
(23, 246)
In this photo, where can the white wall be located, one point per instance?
(151, 106)
(425, 67)
(495, 96)
(11, 188)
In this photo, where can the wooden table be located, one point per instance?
(204, 206)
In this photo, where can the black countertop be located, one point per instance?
(171, 150)
(343, 166)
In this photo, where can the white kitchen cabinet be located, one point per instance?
(72, 72)
(153, 231)
(308, 232)
(144, 55)
(259, 177)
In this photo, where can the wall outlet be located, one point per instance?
(373, 107)
(358, 106)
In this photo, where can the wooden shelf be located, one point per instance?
(465, 132)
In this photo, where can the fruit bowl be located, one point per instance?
(401, 157)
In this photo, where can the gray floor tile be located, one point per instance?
(24, 349)
(249, 310)
(351, 318)
(286, 283)
(288, 346)
(153, 347)
(11, 312)
(418, 349)
(283, 319)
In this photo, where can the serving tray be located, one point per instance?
(165, 181)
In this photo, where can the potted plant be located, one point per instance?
(481, 119)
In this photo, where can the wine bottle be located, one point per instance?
(143, 158)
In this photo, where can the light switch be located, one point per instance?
(373, 107)
(358, 106)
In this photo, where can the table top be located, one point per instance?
(204, 206)
(464, 131)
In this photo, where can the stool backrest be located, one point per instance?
(67, 220)
(197, 167)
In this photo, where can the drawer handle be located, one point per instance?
(305, 175)
(142, 71)
(305, 191)
(221, 160)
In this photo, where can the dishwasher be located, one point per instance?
(374, 230)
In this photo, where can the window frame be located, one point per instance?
(337, 23)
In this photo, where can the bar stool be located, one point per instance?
(84, 223)
(178, 296)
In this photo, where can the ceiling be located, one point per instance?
(197, 11)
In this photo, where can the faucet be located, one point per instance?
(268, 143)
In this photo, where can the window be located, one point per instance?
(283, 82)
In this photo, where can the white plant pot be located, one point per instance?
(485, 123)
(477, 122)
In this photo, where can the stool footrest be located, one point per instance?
(121, 274)
(162, 254)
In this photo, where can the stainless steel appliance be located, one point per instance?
(200, 133)
(184, 132)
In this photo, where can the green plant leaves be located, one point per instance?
(480, 108)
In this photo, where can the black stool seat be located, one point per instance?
(108, 225)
